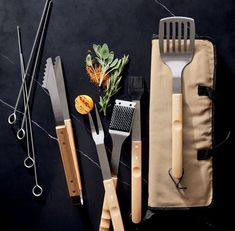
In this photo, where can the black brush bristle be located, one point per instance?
(121, 118)
(135, 87)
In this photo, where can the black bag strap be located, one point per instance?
(206, 91)
(204, 154)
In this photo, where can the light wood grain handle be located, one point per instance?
(69, 158)
(105, 216)
(136, 186)
(113, 205)
(69, 128)
(177, 140)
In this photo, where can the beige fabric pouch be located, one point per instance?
(197, 179)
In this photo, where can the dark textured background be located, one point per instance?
(127, 27)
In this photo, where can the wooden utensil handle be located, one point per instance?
(69, 128)
(69, 158)
(177, 139)
(136, 187)
(105, 216)
(114, 209)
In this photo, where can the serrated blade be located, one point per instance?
(49, 82)
(61, 88)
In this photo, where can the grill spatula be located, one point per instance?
(176, 43)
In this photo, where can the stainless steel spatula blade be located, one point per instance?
(176, 45)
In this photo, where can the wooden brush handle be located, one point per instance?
(112, 201)
(177, 140)
(105, 216)
(136, 187)
(69, 158)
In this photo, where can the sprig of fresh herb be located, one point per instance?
(105, 70)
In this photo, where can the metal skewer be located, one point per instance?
(21, 131)
(29, 161)
(12, 117)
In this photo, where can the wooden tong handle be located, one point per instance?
(112, 201)
(69, 158)
(105, 216)
(177, 137)
(136, 188)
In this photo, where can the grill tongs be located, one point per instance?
(106, 173)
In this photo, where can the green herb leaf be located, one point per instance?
(104, 51)
(111, 57)
(95, 47)
(89, 60)
(112, 68)
(114, 63)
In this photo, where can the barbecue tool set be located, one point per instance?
(176, 45)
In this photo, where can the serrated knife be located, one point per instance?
(53, 81)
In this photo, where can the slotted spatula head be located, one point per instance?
(176, 45)
(177, 35)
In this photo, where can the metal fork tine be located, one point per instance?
(98, 119)
(92, 126)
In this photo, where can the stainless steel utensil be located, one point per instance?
(21, 131)
(30, 160)
(176, 44)
(54, 82)
(119, 129)
(109, 187)
(12, 117)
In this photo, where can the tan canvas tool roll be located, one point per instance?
(195, 187)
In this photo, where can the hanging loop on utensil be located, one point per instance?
(12, 118)
(29, 162)
(37, 190)
(178, 181)
(20, 134)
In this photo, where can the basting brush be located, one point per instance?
(136, 90)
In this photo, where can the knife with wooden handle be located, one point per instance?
(54, 83)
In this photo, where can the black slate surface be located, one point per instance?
(127, 27)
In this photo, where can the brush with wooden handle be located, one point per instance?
(136, 90)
